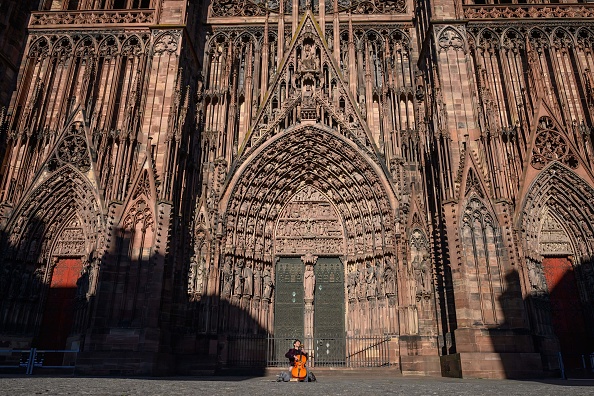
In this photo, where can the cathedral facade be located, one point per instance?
(188, 185)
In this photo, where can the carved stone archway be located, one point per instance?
(557, 239)
(352, 192)
(60, 217)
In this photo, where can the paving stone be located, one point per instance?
(344, 384)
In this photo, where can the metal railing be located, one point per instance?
(34, 358)
(576, 365)
(266, 351)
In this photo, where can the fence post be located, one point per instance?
(561, 366)
(31, 361)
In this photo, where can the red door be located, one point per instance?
(58, 314)
(566, 309)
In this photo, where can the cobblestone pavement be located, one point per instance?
(326, 385)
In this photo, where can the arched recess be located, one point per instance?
(134, 248)
(314, 160)
(481, 247)
(59, 219)
(200, 259)
(557, 237)
(419, 274)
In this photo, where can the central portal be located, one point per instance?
(310, 306)
(310, 288)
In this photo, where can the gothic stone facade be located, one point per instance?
(181, 176)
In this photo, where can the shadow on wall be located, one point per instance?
(533, 331)
(558, 323)
(128, 311)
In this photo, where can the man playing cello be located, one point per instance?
(298, 369)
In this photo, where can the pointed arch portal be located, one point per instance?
(556, 221)
(308, 209)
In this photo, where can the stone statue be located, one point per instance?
(267, 282)
(200, 270)
(258, 280)
(389, 278)
(248, 281)
(82, 283)
(352, 285)
(535, 278)
(227, 276)
(426, 274)
(36, 283)
(192, 274)
(361, 284)
(309, 283)
(238, 279)
(379, 276)
(370, 280)
(308, 62)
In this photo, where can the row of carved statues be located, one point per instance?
(371, 279)
(241, 279)
(18, 283)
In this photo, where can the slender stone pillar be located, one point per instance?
(309, 288)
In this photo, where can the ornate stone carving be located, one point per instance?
(536, 278)
(309, 283)
(196, 277)
(421, 268)
(39, 49)
(370, 280)
(74, 19)
(139, 213)
(248, 281)
(473, 184)
(166, 42)
(73, 150)
(389, 277)
(450, 37)
(251, 8)
(71, 241)
(379, 7)
(553, 239)
(537, 11)
(309, 223)
(227, 277)
(550, 145)
(419, 272)
(267, 283)
(231, 8)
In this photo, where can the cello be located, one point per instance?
(299, 371)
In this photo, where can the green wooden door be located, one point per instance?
(329, 312)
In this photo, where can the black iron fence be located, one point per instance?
(576, 365)
(30, 359)
(266, 351)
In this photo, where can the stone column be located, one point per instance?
(309, 288)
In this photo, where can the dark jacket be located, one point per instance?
(291, 355)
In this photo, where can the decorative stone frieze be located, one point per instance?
(82, 19)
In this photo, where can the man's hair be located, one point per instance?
(296, 341)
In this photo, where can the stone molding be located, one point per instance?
(77, 19)
(529, 11)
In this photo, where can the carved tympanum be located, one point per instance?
(309, 223)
